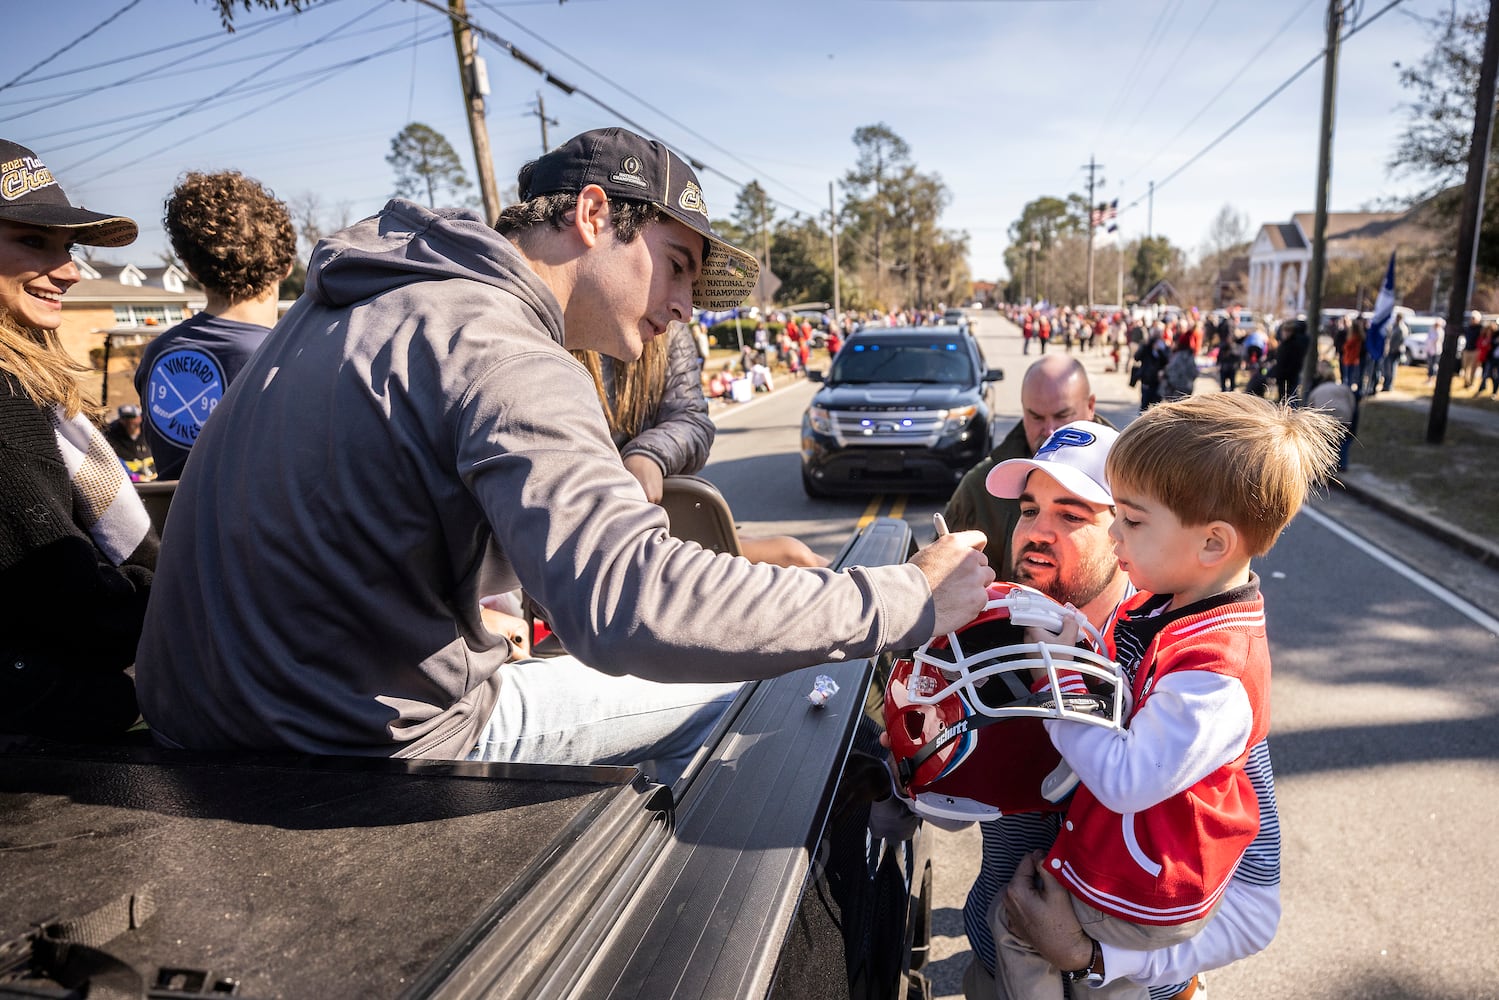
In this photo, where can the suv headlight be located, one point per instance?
(958, 418)
(818, 417)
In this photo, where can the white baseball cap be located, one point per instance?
(1073, 455)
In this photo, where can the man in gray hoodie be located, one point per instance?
(414, 435)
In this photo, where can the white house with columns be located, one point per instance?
(1281, 254)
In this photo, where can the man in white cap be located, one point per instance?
(414, 435)
(1054, 391)
(1062, 548)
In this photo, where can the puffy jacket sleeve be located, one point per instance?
(683, 433)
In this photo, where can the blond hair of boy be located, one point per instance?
(1205, 484)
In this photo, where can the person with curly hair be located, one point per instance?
(237, 241)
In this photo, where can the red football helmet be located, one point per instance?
(944, 704)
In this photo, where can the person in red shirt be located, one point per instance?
(1353, 354)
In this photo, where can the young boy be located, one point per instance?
(1165, 809)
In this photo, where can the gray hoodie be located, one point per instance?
(410, 437)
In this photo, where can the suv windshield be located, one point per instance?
(944, 362)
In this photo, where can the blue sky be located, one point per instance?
(1006, 99)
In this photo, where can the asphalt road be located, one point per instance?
(1385, 723)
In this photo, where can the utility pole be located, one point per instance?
(1324, 175)
(1092, 169)
(1150, 211)
(1031, 246)
(475, 85)
(765, 243)
(833, 225)
(541, 113)
(1467, 236)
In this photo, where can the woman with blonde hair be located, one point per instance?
(659, 419)
(76, 546)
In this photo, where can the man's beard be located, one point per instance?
(1078, 585)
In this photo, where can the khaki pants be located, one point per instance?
(1022, 974)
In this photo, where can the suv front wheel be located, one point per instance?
(811, 488)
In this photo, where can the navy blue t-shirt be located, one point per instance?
(182, 376)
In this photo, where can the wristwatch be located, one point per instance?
(1092, 974)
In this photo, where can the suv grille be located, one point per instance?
(899, 427)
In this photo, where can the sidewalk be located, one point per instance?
(1365, 484)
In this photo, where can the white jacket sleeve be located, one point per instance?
(1193, 722)
(1243, 925)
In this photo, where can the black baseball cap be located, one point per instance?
(29, 194)
(634, 168)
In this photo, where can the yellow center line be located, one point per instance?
(871, 511)
(898, 507)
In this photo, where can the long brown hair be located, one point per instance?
(35, 358)
(636, 390)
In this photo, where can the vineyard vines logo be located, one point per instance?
(692, 199)
(629, 173)
(184, 388)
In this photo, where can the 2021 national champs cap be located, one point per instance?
(635, 168)
(1074, 455)
(30, 194)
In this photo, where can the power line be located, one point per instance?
(570, 89)
(640, 100)
(1267, 99)
(1185, 47)
(230, 87)
(177, 68)
(328, 74)
(25, 73)
(261, 86)
(1147, 46)
(1159, 147)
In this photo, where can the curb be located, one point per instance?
(1481, 551)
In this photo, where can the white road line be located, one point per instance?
(1433, 588)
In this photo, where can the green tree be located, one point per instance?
(881, 154)
(1433, 145)
(1154, 259)
(803, 255)
(1035, 242)
(753, 211)
(425, 163)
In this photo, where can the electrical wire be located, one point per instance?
(101, 63)
(416, 14)
(1266, 100)
(176, 68)
(227, 89)
(328, 74)
(278, 84)
(1159, 147)
(1184, 47)
(642, 101)
(570, 90)
(1148, 44)
(108, 20)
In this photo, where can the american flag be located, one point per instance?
(1105, 212)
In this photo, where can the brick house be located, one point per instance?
(114, 310)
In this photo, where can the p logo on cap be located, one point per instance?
(1067, 437)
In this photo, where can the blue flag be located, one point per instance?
(714, 318)
(1384, 309)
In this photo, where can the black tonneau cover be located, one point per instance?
(335, 877)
